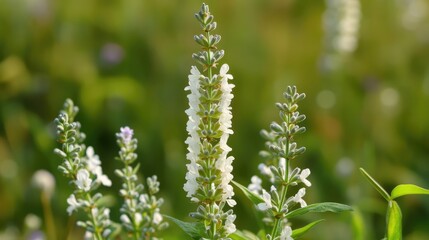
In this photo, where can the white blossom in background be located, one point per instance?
(45, 181)
(341, 24)
(413, 13)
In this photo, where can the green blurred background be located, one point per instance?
(126, 63)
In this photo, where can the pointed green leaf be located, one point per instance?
(407, 189)
(319, 207)
(255, 198)
(376, 185)
(243, 235)
(300, 231)
(194, 229)
(394, 221)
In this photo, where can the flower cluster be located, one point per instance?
(83, 168)
(140, 214)
(209, 126)
(281, 151)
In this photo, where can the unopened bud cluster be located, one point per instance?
(210, 56)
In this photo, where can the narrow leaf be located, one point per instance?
(376, 185)
(407, 189)
(394, 221)
(255, 198)
(319, 207)
(194, 229)
(300, 231)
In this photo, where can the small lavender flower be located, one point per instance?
(209, 175)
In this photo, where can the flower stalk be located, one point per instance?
(140, 212)
(281, 151)
(83, 168)
(209, 126)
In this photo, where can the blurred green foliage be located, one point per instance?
(126, 63)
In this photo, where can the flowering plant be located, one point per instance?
(140, 217)
(209, 177)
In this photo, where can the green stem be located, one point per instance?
(210, 75)
(93, 219)
(284, 187)
(49, 219)
(132, 204)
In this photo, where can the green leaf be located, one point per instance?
(394, 221)
(376, 185)
(243, 235)
(194, 229)
(319, 207)
(300, 231)
(407, 189)
(255, 198)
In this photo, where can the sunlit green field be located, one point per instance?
(125, 63)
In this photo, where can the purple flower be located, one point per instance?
(126, 134)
